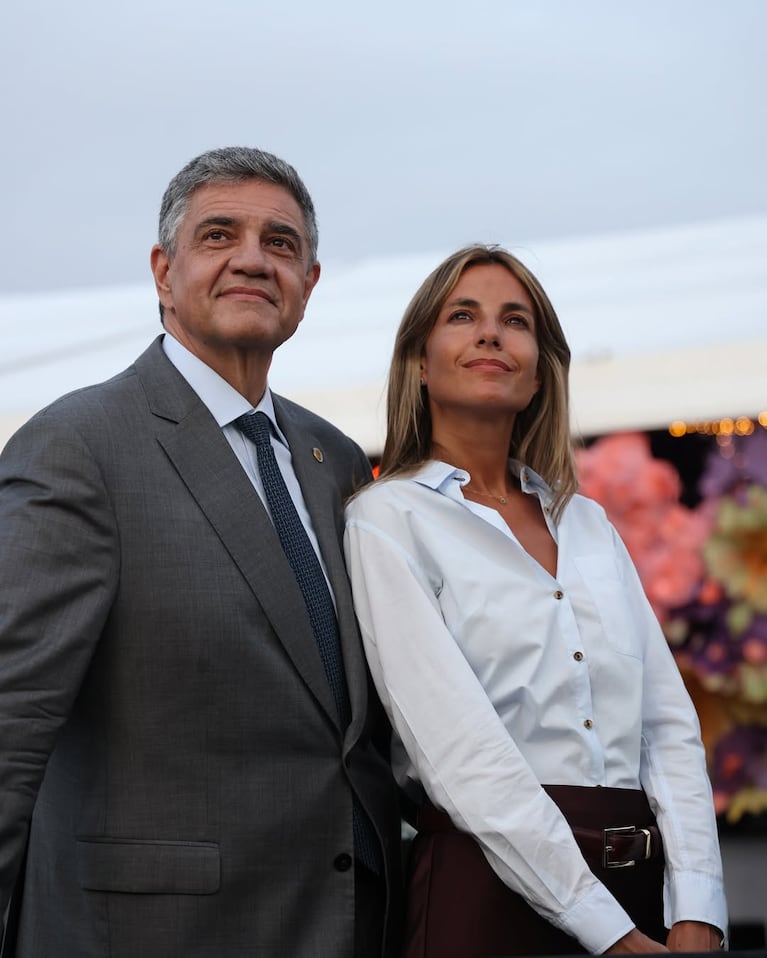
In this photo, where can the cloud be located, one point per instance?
(415, 125)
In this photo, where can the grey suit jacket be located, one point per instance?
(169, 746)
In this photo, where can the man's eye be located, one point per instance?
(282, 242)
(215, 235)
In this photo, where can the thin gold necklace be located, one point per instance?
(502, 499)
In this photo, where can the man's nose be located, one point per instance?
(250, 257)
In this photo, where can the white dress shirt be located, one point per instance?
(497, 677)
(225, 404)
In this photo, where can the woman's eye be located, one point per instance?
(460, 316)
(517, 320)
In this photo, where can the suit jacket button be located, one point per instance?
(342, 862)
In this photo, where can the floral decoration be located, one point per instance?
(704, 570)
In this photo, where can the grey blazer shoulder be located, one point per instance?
(168, 741)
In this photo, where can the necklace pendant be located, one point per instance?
(502, 500)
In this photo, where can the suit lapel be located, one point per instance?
(200, 453)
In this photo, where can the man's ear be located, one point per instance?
(160, 264)
(312, 278)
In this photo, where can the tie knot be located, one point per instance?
(256, 427)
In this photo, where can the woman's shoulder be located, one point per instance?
(380, 496)
(416, 490)
(587, 517)
(584, 506)
(589, 528)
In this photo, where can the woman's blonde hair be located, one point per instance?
(541, 436)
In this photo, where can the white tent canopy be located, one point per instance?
(663, 324)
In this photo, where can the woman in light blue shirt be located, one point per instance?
(540, 721)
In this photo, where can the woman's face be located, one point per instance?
(482, 353)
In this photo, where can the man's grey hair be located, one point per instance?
(232, 164)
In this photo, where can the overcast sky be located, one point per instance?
(417, 125)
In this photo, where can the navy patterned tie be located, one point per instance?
(319, 604)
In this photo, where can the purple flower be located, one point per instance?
(740, 759)
(743, 465)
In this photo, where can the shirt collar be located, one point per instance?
(531, 482)
(221, 399)
(447, 479)
(442, 477)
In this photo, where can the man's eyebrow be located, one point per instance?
(284, 229)
(216, 221)
(273, 226)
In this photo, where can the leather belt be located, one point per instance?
(621, 846)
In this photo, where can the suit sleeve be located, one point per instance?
(58, 573)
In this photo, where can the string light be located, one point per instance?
(721, 428)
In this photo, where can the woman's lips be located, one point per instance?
(488, 364)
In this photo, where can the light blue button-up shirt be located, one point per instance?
(498, 676)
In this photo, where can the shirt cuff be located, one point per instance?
(596, 920)
(694, 896)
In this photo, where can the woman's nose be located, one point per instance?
(489, 338)
(487, 332)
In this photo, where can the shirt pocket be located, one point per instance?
(603, 583)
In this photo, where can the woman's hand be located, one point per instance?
(635, 943)
(694, 936)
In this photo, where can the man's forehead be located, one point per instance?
(242, 199)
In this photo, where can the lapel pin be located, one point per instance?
(317, 453)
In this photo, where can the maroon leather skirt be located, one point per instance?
(459, 908)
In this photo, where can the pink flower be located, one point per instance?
(705, 573)
(640, 495)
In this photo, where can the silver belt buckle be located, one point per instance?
(623, 830)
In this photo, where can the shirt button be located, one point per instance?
(587, 723)
(559, 594)
(578, 656)
(342, 862)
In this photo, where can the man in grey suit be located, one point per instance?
(183, 772)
